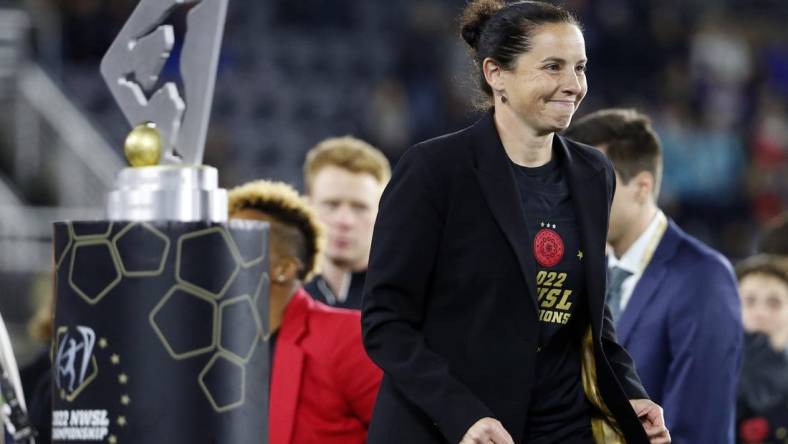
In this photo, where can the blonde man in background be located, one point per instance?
(344, 178)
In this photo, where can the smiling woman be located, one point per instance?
(484, 299)
(546, 84)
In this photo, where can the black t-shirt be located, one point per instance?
(320, 291)
(559, 410)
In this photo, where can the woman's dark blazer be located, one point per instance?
(450, 310)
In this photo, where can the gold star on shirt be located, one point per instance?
(580, 255)
(123, 378)
(122, 421)
(102, 342)
(112, 439)
(125, 400)
(115, 359)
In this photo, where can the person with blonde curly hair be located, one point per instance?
(323, 385)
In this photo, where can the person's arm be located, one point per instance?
(705, 335)
(358, 378)
(405, 244)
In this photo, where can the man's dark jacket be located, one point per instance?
(450, 309)
(683, 328)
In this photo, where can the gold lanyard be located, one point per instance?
(662, 225)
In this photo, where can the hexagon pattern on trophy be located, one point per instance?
(99, 261)
(137, 265)
(180, 338)
(239, 327)
(214, 378)
(194, 247)
(94, 269)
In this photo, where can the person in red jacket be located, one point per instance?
(323, 384)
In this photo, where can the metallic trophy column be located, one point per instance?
(162, 309)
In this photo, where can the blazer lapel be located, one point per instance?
(647, 286)
(288, 366)
(500, 191)
(590, 201)
(644, 291)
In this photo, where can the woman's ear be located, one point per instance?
(493, 74)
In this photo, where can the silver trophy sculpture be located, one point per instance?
(165, 129)
(161, 313)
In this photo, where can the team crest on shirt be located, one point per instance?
(548, 246)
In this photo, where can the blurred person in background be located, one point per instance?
(774, 239)
(764, 293)
(322, 383)
(762, 407)
(674, 299)
(344, 179)
(767, 181)
(484, 302)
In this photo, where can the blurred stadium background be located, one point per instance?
(713, 74)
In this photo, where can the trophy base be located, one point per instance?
(168, 192)
(160, 332)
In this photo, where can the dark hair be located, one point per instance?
(501, 31)
(630, 141)
(770, 265)
(774, 239)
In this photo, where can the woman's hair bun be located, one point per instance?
(476, 14)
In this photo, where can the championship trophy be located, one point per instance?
(161, 316)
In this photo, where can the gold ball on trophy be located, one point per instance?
(143, 145)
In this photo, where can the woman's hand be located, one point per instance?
(650, 415)
(486, 431)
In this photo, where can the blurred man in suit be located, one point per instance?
(774, 238)
(674, 300)
(344, 179)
